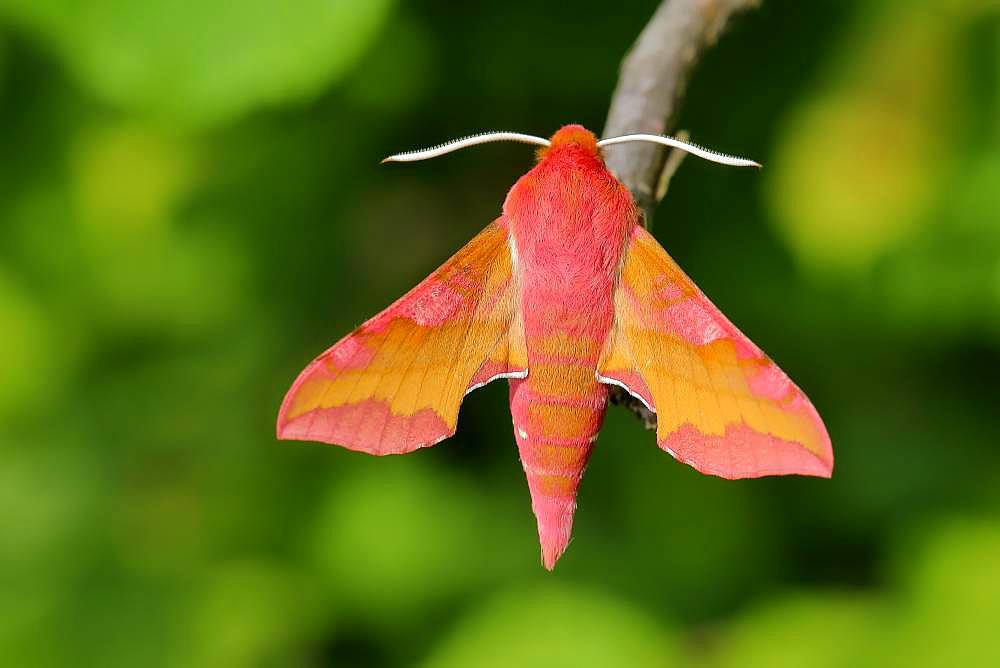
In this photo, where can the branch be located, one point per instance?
(647, 98)
(651, 87)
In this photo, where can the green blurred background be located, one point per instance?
(191, 208)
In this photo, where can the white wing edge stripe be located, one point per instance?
(613, 381)
(506, 374)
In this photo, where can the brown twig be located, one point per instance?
(651, 86)
(649, 93)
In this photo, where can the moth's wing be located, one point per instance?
(395, 384)
(722, 405)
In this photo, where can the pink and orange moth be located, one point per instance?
(564, 294)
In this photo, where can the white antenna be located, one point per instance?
(694, 149)
(457, 144)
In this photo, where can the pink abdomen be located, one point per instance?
(557, 410)
(568, 219)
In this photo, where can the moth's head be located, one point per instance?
(568, 137)
(572, 137)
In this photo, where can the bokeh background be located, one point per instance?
(191, 208)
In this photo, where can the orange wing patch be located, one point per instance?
(722, 405)
(395, 384)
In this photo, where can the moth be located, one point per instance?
(564, 295)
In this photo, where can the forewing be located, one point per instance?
(722, 405)
(395, 384)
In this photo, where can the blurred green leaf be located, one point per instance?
(549, 626)
(252, 614)
(127, 179)
(50, 493)
(860, 162)
(952, 604)
(819, 630)
(946, 280)
(31, 376)
(128, 183)
(204, 62)
(393, 539)
(399, 72)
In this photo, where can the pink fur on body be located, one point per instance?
(568, 220)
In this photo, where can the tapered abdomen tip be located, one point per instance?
(553, 500)
(555, 524)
